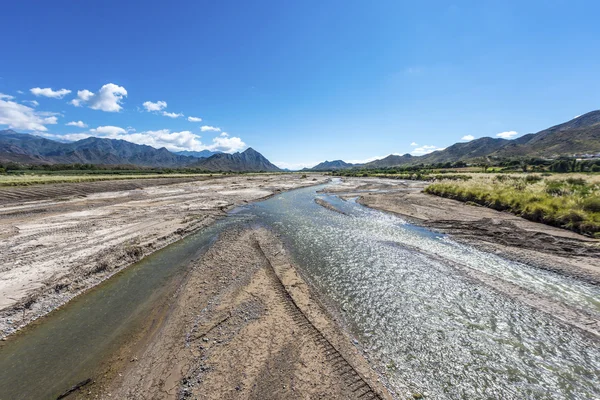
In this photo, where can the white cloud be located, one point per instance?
(507, 135)
(78, 124)
(295, 166)
(467, 138)
(34, 103)
(50, 120)
(69, 137)
(110, 131)
(108, 98)
(19, 116)
(48, 92)
(174, 141)
(207, 128)
(419, 151)
(150, 106)
(194, 119)
(6, 96)
(20, 92)
(226, 143)
(172, 115)
(414, 144)
(83, 96)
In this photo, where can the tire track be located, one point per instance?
(354, 380)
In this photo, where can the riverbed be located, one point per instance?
(428, 312)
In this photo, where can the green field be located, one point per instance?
(570, 201)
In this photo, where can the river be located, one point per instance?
(401, 289)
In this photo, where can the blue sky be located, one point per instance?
(299, 81)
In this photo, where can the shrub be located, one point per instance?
(592, 204)
(532, 179)
(573, 203)
(576, 181)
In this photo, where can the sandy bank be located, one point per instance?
(243, 325)
(70, 237)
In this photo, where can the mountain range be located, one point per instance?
(198, 154)
(248, 160)
(580, 135)
(30, 149)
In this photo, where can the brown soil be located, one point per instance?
(73, 236)
(244, 325)
(533, 243)
(10, 195)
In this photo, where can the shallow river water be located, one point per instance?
(434, 329)
(429, 326)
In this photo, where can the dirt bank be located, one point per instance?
(244, 325)
(533, 243)
(70, 237)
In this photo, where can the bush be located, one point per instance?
(592, 204)
(533, 179)
(576, 181)
(573, 203)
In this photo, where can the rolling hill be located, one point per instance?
(580, 135)
(332, 165)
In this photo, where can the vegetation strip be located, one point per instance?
(571, 202)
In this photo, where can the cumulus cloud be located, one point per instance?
(69, 137)
(19, 116)
(295, 166)
(150, 106)
(208, 128)
(194, 119)
(108, 98)
(507, 135)
(48, 92)
(414, 144)
(426, 149)
(226, 143)
(467, 138)
(174, 141)
(109, 130)
(34, 103)
(78, 124)
(6, 96)
(172, 115)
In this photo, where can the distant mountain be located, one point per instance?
(478, 148)
(249, 160)
(198, 154)
(580, 135)
(25, 148)
(390, 161)
(332, 165)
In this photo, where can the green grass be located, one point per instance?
(567, 201)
